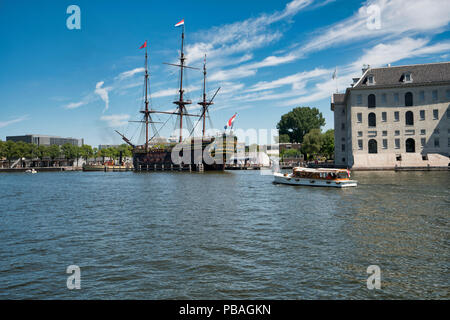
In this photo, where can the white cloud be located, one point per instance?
(103, 93)
(241, 36)
(130, 73)
(229, 87)
(173, 91)
(237, 73)
(394, 51)
(229, 61)
(321, 90)
(250, 69)
(397, 18)
(74, 105)
(16, 120)
(295, 80)
(116, 120)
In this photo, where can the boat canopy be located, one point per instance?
(312, 170)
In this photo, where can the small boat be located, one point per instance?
(321, 177)
(31, 171)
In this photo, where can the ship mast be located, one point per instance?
(147, 118)
(181, 102)
(146, 112)
(205, 104)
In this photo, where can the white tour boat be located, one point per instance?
(338, 178)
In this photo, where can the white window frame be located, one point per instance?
(410, 77)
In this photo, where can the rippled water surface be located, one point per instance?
(231, 235)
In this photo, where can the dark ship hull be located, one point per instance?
(199, 154)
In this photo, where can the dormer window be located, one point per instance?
(407, 77)
(370, 80)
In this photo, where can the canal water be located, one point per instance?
(232, 235)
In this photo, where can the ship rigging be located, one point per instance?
(181, 103)
(160, 156)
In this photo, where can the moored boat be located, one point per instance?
(321, 177)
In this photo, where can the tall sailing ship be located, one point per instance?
(203, 153)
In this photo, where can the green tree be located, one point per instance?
(23, 149)
(290, 153)
(77, 150)
(33, 149)
(126, 150)
(298, 122)
(42, 152)
(86, 151)
(69, 151)
(112, 153)
(312, 142)
(11, 151)
(102, 153)
(2, 149)
(54, 152)
(327, 148)
(284, 138)
(95, 153)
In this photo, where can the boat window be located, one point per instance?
(343, 175)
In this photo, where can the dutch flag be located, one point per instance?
(230, 122)
(181, 23)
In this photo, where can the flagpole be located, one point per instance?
(336, 78)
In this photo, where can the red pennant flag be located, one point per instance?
(230, 122)
(144, 45)
(180, 23)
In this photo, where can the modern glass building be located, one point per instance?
(44, 140)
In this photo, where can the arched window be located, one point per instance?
(373, 148)
(409, 118)
(371, 101)
(372, 120)
(410, 145)
(408, 99)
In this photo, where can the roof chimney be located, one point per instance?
(365, 68)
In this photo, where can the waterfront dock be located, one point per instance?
(41, 169)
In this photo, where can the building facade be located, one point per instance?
(394, 117)
(44, 140)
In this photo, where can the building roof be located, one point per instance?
(431, 73)
(337, 98)
(394, 76)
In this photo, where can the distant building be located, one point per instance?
(289, 146)
(272, 150)
(44, 140)
(158, 140)
(394, 117)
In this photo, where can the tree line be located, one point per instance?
(303, 125)
(11, 150)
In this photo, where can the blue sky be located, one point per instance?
(267, 56)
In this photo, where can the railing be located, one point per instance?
(16, 162)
